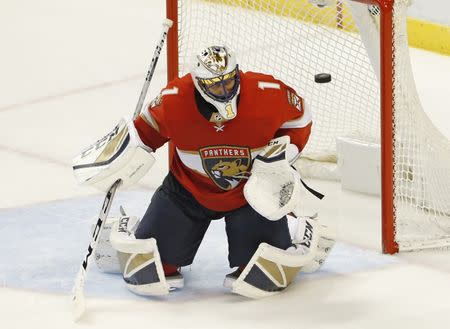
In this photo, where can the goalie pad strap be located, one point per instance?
(317, 194)
(123, 240)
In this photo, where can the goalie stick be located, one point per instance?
(78, 288)
(166, 26)
(79, 305)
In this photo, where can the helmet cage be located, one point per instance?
(218, 87)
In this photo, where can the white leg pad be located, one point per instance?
(139, 260)
(143, 272)
(105, 255)
(326, 242)
(270, 271)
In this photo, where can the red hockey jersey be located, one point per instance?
(210, 158)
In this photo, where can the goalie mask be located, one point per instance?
(216, 77)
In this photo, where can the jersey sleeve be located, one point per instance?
(151, 125)
(297, 120)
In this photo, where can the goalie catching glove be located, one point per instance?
(119, 154)
(273, 188)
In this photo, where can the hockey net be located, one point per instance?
(294, 40)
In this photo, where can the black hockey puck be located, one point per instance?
(322, 77)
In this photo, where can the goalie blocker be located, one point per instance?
(119, 154)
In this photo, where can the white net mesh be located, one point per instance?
(294, 40)
(422, 158)
(280, 38)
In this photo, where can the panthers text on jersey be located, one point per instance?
(212, 157)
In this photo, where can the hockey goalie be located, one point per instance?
(232, 138)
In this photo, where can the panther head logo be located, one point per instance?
(228, 169)
(226, 165)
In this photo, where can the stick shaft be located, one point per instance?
(78, 294)
(166, 26)
(78, 289)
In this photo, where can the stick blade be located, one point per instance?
(78, 305)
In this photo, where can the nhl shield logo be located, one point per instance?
(226, 165)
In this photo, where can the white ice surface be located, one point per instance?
(50, 258)
(69, 71)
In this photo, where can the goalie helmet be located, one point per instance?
(216, 77)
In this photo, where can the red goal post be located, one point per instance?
(400, 206)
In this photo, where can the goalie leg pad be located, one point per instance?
(324, 246)
(105, 255)
(143, 272)
(139, 261)
(312, 235)
(270, 271)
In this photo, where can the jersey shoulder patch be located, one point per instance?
(294, 100)
(178, 86)
(156, 101)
